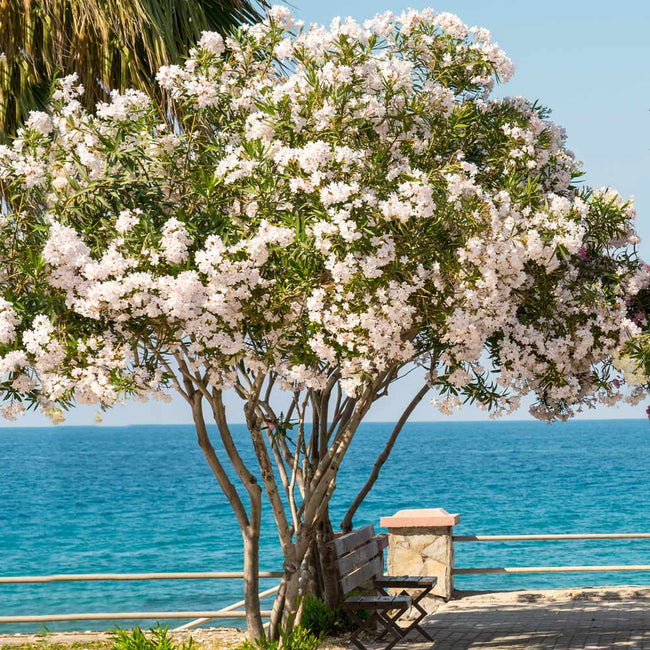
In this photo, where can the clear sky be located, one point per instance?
(589, 60)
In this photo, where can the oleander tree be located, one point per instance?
(331, 208)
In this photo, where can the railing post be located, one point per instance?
(420, 544)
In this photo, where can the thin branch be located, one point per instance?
(242, 370)
(295, 471)
(245, 475)
(269, 388)
(308, 449)
(328, 466)
(163, 361)
(342, 410)
(293, 405)
(266, 466)
(279, 460)
(195, 400)
(187, 375)
(346, 524)
(269, 414)
(337, 408)
(324, 404)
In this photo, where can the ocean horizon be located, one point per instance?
(140, 498)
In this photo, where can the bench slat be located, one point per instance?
(356, 558)
(406, 581)
(350, 541)
(372, 569)
(377, 602)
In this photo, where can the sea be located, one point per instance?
(141, 499)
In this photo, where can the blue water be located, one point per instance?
(100, 499)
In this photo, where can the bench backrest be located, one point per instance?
(359, 557)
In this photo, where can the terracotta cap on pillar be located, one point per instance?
(421, 518)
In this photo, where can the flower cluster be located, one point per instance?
(326, 202)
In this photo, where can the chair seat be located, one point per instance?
(378, 602)
(406, 581)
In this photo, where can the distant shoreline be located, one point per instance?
(93, 425)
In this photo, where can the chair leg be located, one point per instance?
(385, 621)
(392, 627)
(415, 624)
(390, 624)
(361, 625)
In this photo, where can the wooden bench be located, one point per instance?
(360, 561)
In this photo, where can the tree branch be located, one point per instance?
(346, 523)
(322, 483)
(196, 402)
(266, 466)
(245, 475)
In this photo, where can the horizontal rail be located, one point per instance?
(114, 616)
(554, 569)
(101, 577)
(532, 538)
(200, 621)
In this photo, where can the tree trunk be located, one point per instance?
(327, 561)
(317, 586)
(255, 628)
(291, 601)
(285, 606)
(249, 525)
(276, 612)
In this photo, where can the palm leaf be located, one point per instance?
(108, 43)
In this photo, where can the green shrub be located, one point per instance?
(300, 638)
(322, 620)
(158, 638)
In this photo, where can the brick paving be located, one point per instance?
(510, 621)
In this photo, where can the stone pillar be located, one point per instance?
(420, 544)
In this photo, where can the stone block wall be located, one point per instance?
(423, 552)
(420, 543)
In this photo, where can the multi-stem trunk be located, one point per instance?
(304, 529)
(299, 580)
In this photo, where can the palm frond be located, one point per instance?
(108, 43)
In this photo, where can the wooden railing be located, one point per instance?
(230, 611)
(234, 610)
(551, 569)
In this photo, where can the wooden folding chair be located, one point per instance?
(360, 561)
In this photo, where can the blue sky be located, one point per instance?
(587, 60)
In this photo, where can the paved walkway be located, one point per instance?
(562, 620)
